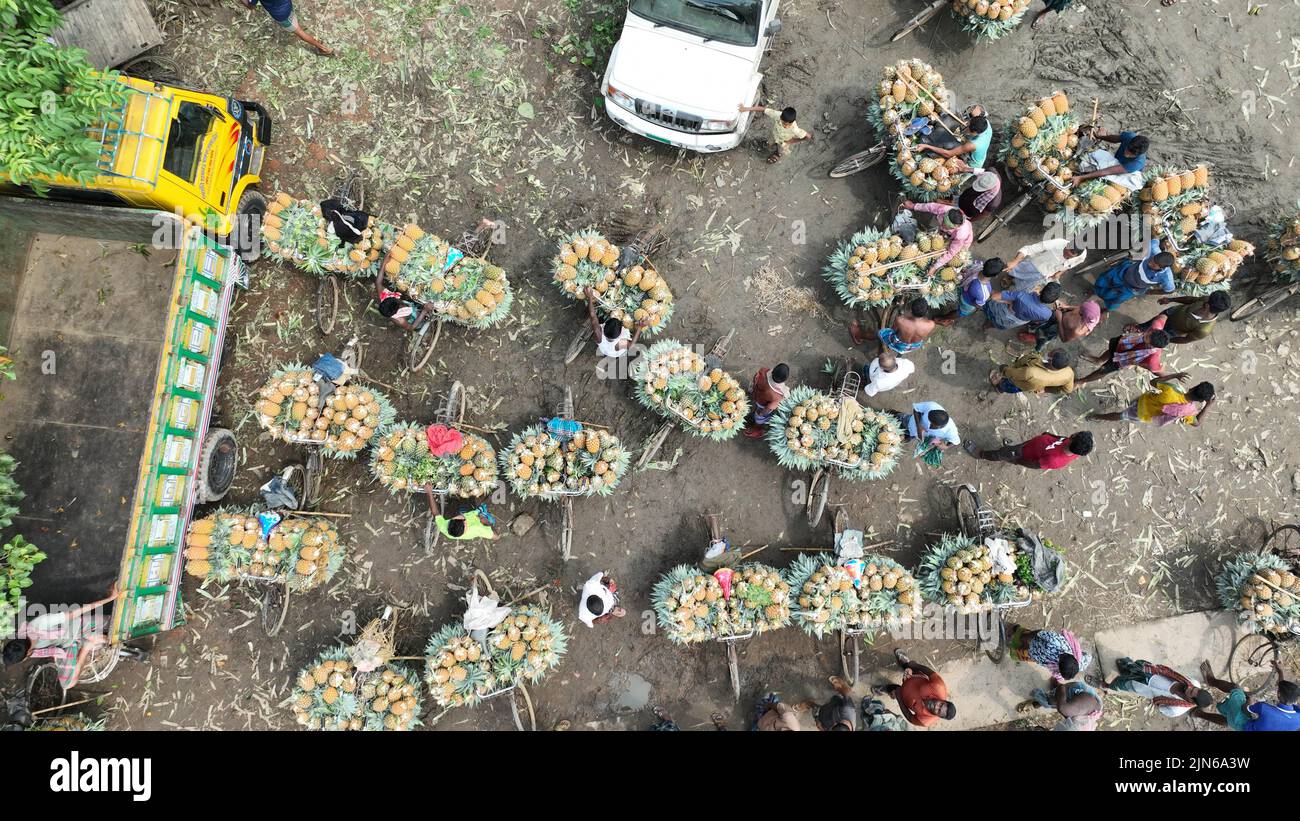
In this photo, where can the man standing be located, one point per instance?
(785, 131)
(470, 524)
(1075, 322)
(952, 223)
(1130, 278)
(1194, 317)
(612, 338)
(1164, 404)
(909, 330)
(1235, 713)
(1036, 374)
(977, 286)
(886, 372)
(767, 391)
(930, 423)
(1044, 262)
(1172, 693)
(982, 197)
(1134, 347)
(1046, 451)
(281, 11)
(598, 602)
(923, 695)
(1011, 309)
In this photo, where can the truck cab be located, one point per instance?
(682, 68)
(189, 153)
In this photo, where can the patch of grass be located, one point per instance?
(598, 26)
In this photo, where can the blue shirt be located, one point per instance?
(280, 10)
(982, 141)
(1143, 276)
(1272, 718)
(1130, 164)
(977, 291)
(947, 433)
(1027, 306)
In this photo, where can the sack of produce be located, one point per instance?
(229, 545)
(672, 375)
(804, 433)
(402, 461)
(538, 464)
(875, 267)
(639, 294)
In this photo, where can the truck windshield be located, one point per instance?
(728, 21)
(186, 139)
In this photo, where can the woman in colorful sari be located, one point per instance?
(1057, 650)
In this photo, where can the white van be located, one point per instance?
(683, 67)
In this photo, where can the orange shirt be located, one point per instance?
(915, 690)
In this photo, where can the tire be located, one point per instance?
(1285, 542)
(849, 659)
(733, 669)
(1264, 302)
(579, 342)
(327, 304)
(99, 663)
(999, 651)
(420, 347)
(968, 511)
(654, 444)
(1004, 216)
(218, 462)
(817, 500)
(521, 693)
(453, 413)
(351, 188)
(156, 68)
(566, 528)
(275, 607)
(245, 233)
(432, 535)
(312, 474)
(860, 161)
(1250, 665)
(296, 481)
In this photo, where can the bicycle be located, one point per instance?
(1253, 662)
(419, 345)
(676, 417)
(978, 521)
(350, 190)
(1265, 301)
(924, 16)
(312, 468)
(452, 415)
(635, 252)
(819, 486)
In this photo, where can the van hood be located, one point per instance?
(708, 79)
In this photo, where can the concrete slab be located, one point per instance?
(1181, 642)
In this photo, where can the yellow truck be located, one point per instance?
(189, 153)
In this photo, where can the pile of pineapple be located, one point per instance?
(1262, 588)
(289, 407)
(457, 669)
(759, 600)
(538, 464)
(958, 572)
(911, 89)
(1283, 248)
(229, 544)
(688, 605)
(672, 374)
(990, 19)
(468, 291)
(528, 644)
(1175, 202)
(638, 295)
(830, 598)
(401, 461)
(331, 694)
(866, 270)
(804, 434)
(295, 231)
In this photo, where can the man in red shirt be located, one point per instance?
(923, 696)
(767, 391)
(1046, 451)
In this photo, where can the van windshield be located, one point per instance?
(728, 21)
(186, 139)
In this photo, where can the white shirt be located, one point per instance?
(1162, 686)
(947, 433)
(594, 587)
(882, 381)
(609, 347)
(1048, 257)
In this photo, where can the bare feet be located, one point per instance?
(1168, 2)
(1039, 19)
(1026, 706)
(774, 157)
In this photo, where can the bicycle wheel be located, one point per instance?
(100, 661)
(521, 692)
(295, 476)
(420, 345)
(1285, 542)
(311, 479)
(453, 413)
(566, 404)
(579, 342)
(327, 304)
(860, 161)
(819, 492)
(733, 669)
(999, 651)
(918, 21)
(653, 444)
(849, 660)
(566, 528)
(432, 535)
(1251, 663)
(275, 607)
(968, 511)
(1004, 216)
(1269, 299)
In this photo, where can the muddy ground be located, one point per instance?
(437, 126)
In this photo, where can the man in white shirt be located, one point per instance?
(886, 372)
(612, 338)
(599, 601)
(1044, 262)
(930, 423)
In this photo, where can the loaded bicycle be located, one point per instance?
(350, 191)
(979, 522)
(634, 252)
(1045, 184)
(422, 341)
(679, 416)
(305, 476)
(819, 485)
(1269, 581)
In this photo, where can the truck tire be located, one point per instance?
(217, 463)
(245, 233)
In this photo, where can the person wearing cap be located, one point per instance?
(598, 602)
(973, 153)
(982, 197)
(1042, 262)
(952, 223)
(1075, 322)
(767, 391)
(785, 130)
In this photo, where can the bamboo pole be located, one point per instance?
(307, 514)
(62, 706)
(921, 90)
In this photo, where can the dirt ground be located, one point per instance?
(437, 125)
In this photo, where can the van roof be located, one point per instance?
(133, 142)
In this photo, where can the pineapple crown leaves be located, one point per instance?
(478, 674)
(935, 559)
(845, 280)
(10, 492)
(813, 619)
(874, 422)
(345, 706)
(775, 435)
(984, 28)
(509, 670)
(676, 589)
(474, 273)
(836, 270)
(1236, 572)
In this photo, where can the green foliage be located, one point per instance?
(6, 366)
(10, 493)
(49, 97)
(599, 26)
(18, 557)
